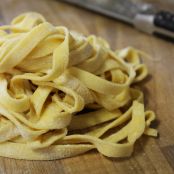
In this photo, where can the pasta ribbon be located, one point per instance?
(63, 94)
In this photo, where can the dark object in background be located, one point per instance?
(142, 16)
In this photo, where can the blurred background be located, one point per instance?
(59, 12)
(153, 18)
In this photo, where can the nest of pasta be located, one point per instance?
(63, 94)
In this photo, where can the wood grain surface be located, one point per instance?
(151, 155)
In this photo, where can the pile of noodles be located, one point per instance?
(63, 94)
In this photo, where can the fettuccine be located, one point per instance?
(63, 94)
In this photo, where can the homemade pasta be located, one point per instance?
(63, 94)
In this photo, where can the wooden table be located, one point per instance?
(151, 155)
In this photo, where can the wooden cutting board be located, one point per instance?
(151, 155)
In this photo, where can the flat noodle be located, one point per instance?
(63, 94)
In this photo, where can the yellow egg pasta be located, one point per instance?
(63, 94)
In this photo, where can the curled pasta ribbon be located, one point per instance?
(63, 94)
